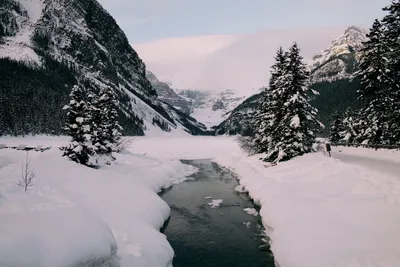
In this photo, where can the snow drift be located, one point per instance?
(77, 216)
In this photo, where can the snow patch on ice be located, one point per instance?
(240, 189)
(215, 203)
(247, 224)
(251, 211)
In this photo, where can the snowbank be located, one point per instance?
(318, 211)
(38, 140)
(322, 212)
(49, 235)
(382, 154)
(191, 147)
(76, 216)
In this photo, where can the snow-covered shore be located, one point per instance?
(74, 215)
(382, 154)
(317, 210)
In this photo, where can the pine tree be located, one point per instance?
(78, 127)
(336, 128)
(391, 23)
(353, 127)
(107, 131)
(267, 116)
(375, 87)
(379, 74)
(296, 118)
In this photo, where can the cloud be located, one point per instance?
(184, 47)
(219, 62)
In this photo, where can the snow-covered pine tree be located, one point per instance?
(267, 116)
(96, 116)
(336, 128)
(107, 131)
(391, 23)
(78, 127)
(352, 127)
(115, 131)
(296, 120)
(375, 87)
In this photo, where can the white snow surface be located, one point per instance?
(208, 116)
(317, 210)
(382, 160)
(77, 216)
(381, 154)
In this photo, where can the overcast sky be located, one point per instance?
(149, 20)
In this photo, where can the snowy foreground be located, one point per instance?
(317, 210)
(77, 216)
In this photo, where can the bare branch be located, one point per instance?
(124, 144)
(28, 175)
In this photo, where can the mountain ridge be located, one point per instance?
(80, 37)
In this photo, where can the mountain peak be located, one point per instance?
(340, 60)
(353, 36)
(354, 29)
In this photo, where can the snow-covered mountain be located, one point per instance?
(211, 108)
(238, 120)
(339, 61)
(168, 95)
(78, 38)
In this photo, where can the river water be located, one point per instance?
(222, 236)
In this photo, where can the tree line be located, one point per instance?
(378, 121)
(32, 97)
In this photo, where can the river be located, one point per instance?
(225, 235)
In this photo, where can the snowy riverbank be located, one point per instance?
(381, 154)
(319, 211)
(75, 215)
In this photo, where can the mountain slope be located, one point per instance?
(238, 120)
(211, 108)
(339, 61)
(75, 38)
(168, 95)
(331, 76)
